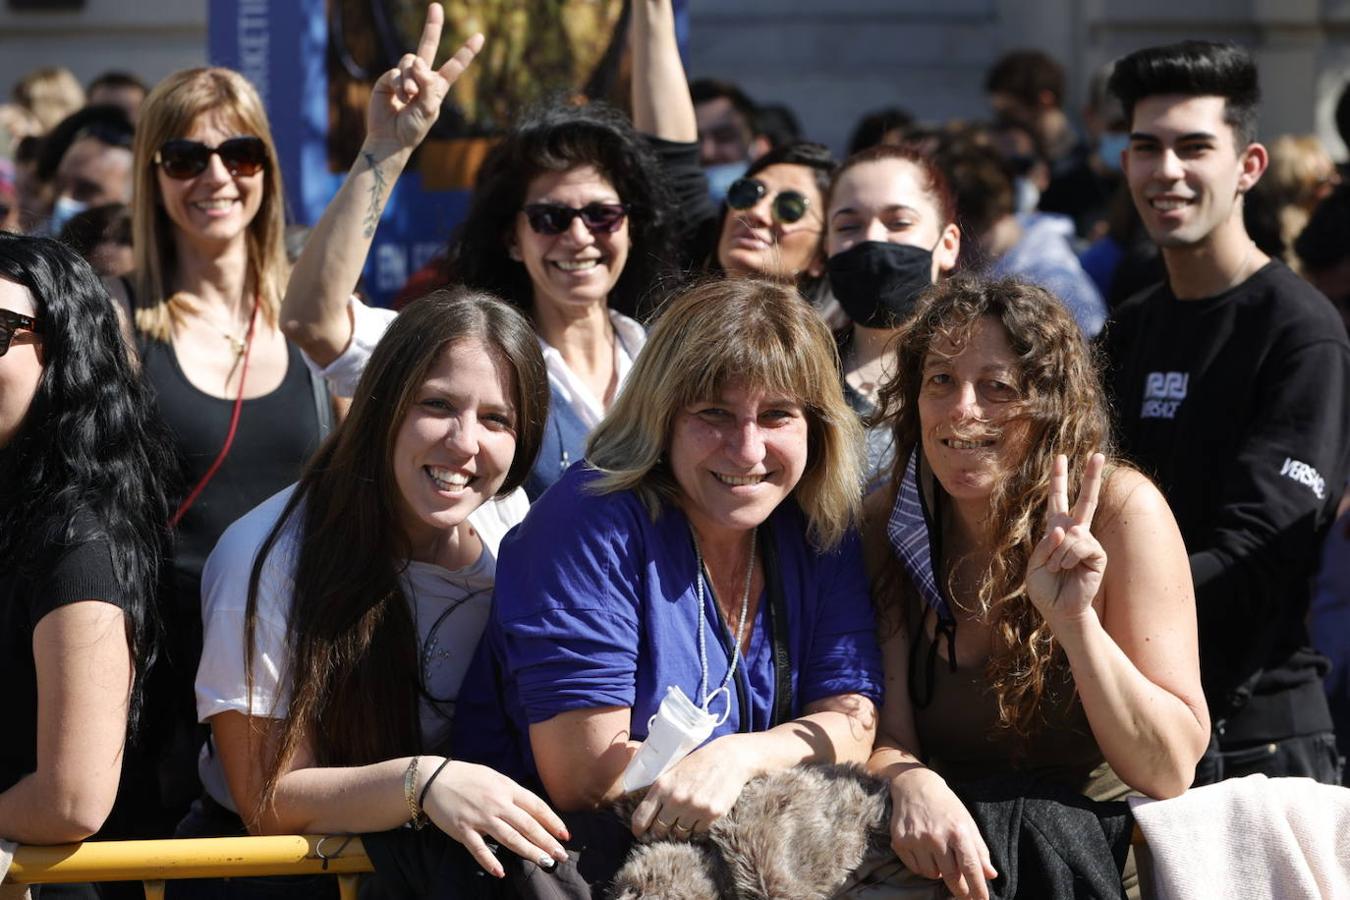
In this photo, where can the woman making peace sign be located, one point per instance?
(1021, 634)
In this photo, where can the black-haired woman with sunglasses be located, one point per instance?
(771, 224)
(81, 531)
(567, 221)
(243, 409)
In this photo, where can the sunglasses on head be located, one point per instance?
(183, 159)
(10, 323)
(555, 218)
(788, 206)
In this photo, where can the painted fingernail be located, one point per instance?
(546, 862)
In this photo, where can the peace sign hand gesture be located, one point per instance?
(406, 100)
(1065, 570)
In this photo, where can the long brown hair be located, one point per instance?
(352, 658)
(168, 113)
(1064, 411)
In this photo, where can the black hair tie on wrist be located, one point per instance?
(422, 797)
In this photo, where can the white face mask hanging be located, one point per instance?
(679, 726)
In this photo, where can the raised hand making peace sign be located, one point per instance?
(404, 103)
(1065, 570)
(406, 100)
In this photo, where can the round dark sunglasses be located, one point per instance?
(183, 159)
(555, 218)
(11, 323)
(788, 206)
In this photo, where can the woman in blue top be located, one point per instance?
(709, 542)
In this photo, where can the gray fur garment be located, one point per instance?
(792, 835)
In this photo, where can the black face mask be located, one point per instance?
(877, 282)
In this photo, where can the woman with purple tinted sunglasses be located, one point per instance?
(568, 222)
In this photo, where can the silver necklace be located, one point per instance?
(702, 620)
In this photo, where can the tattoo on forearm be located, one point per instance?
(372, 219)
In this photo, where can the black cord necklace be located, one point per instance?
(429, 651)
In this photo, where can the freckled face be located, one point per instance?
(971, 433)
(737, 456)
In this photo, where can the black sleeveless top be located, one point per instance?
(277, 434)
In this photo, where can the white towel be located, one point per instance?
(1252, 837)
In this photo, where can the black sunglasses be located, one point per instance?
(788, 206)
(554, 218)
(11, 322)
(183, 159)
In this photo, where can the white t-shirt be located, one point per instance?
(449, 608)
(369, 324)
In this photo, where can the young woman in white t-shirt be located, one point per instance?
(339, 616)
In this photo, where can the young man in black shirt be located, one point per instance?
(1232, 387)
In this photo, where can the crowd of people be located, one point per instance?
(991, 454)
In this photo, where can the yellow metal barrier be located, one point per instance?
(154, 862)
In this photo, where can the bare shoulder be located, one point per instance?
(1129, 497)
(1135, 524)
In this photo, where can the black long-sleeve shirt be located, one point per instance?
(1239, 406)
(697, 217)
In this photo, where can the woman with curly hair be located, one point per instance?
(81, 524)
(567, 221)
(1033, 591)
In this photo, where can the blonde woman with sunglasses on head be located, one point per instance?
(242, 407)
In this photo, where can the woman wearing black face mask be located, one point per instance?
(889, 235)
